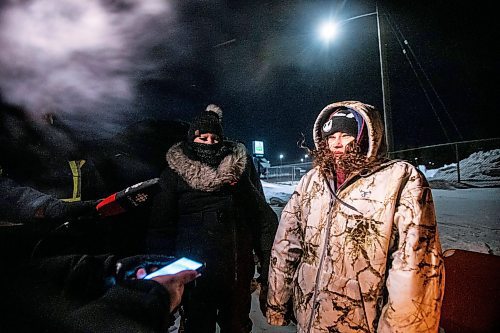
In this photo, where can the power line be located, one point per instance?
(406, 45)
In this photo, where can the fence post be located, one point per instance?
(458, 162)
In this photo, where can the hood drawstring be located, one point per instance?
(336, 197)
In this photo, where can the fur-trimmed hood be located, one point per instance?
(375, 128)
(202, 177)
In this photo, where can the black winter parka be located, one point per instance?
(217, 216)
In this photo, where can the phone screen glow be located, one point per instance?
(177, 266)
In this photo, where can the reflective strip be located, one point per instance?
(76, 171)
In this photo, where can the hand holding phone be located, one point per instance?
(177, 266)
(174, 284)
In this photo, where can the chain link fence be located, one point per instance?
(287, 173)
(451, 156)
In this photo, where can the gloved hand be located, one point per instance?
(263, 298)
(126, 268)
(59, 210)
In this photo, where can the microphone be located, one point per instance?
(129, 198)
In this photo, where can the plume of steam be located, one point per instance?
(81, 57)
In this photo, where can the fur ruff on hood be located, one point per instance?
(201, 176)
(375, 127)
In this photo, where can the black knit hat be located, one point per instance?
(209, 121)
(342, 120)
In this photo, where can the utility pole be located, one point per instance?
(389, 139)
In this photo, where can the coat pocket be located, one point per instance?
(339, 303)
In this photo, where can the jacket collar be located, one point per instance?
(201, 176)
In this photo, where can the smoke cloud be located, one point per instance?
(83, 59)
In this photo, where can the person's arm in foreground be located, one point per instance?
(415, 282)
(24, 204)
(84, 293)
(134, 306)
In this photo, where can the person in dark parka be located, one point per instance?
(212, 209)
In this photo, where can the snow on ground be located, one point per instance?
(469, 219)
(468, 214)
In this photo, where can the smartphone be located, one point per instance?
(177, 266)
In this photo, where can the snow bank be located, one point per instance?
(480, 166)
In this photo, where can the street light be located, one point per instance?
(328, 30)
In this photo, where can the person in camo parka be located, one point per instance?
(357, 247)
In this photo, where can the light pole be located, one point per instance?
(328, 31)
(281, 165)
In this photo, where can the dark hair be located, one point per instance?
(351, 162)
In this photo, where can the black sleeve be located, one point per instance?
(160, 237)
(43, 293)
(254, 175)
(267, 224)
(79, 278)
(134, 306)
(21, 204)
(265, 221)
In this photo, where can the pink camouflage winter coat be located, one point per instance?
(367, 261)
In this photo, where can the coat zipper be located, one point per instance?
(321, 261)
(333, 198)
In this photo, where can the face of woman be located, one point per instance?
(338, 141)
(207, 138)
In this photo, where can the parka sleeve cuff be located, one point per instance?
(276, 318)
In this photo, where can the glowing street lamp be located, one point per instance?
(328, 30)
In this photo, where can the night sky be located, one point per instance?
(101, 65)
